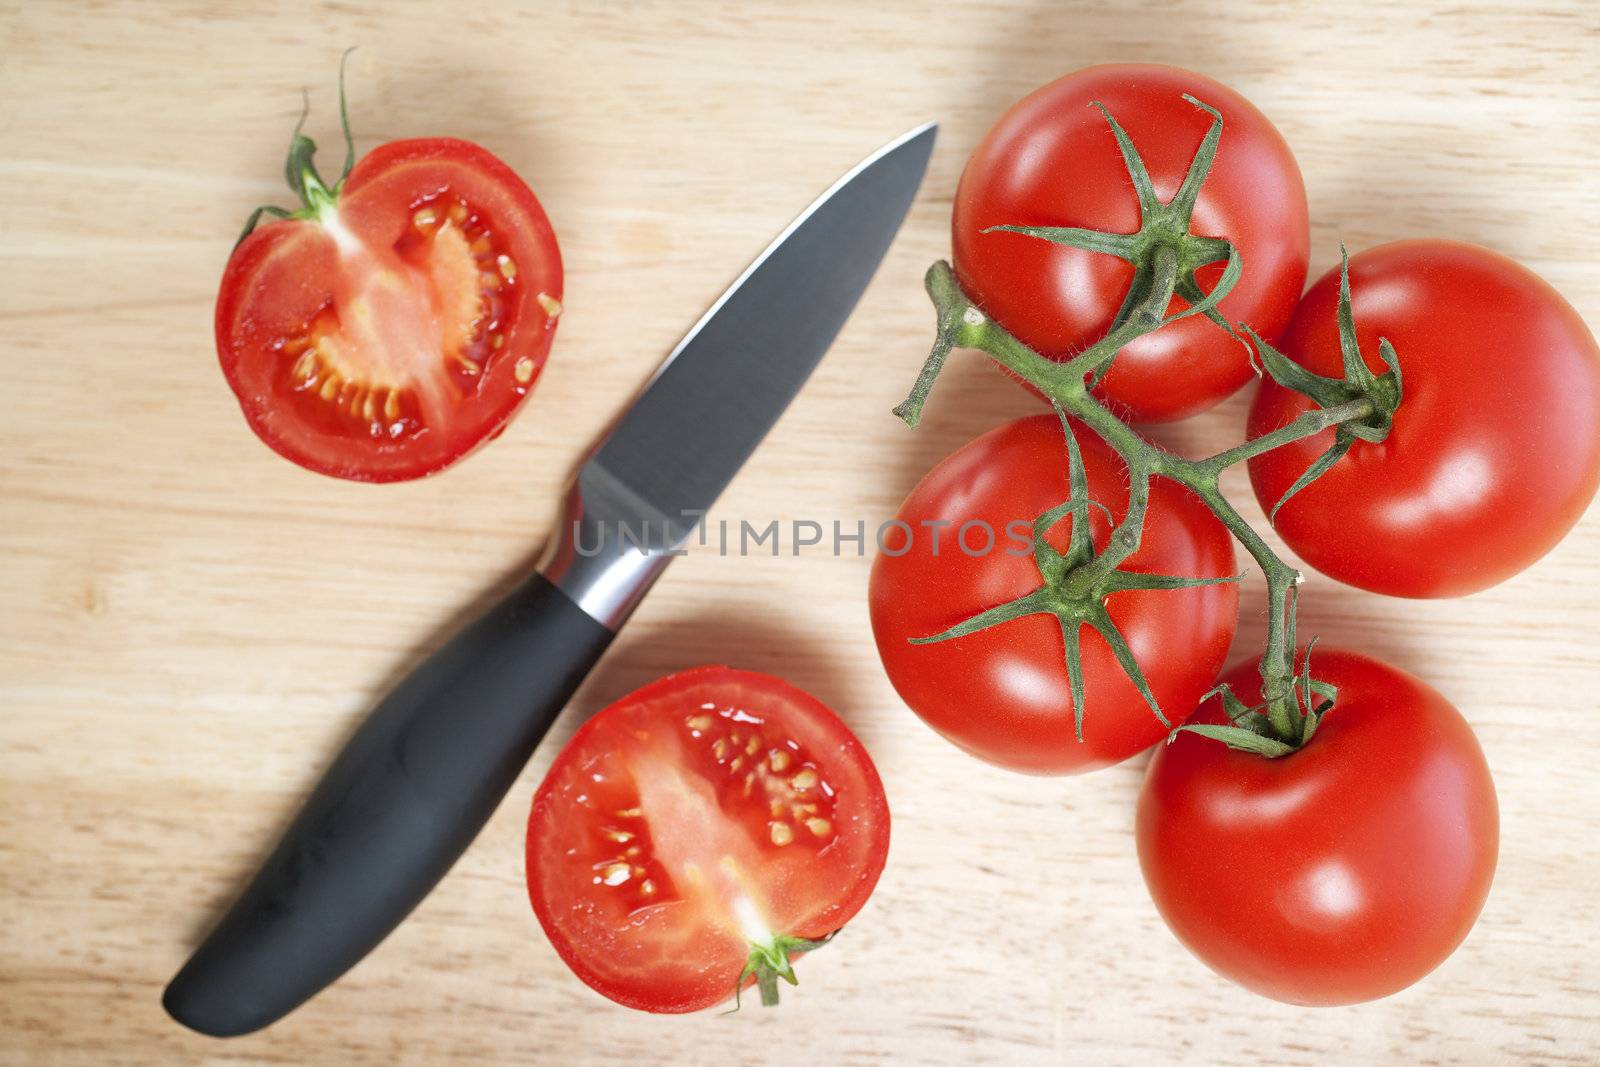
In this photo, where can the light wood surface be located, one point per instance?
(189, 626)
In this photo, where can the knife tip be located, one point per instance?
(929, 129)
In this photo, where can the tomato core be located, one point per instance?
(408, 328)
(684, 814)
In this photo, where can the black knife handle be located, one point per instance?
(400, 804)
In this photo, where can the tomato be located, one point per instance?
(1002, 693)
(1339, 873)
(1052, 161)
(1494, 451)
(399, 327)
(691, 825)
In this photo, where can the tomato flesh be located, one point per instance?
(403, 326)
(710, 811)
(1339, 873)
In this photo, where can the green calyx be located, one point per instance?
(1078, 582)
(1275, 727)
(770, 962)
(318, 198)
(1163, 234)
(1382, 392)
(1164, 254)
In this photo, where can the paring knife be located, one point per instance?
(423, 774)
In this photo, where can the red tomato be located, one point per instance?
(1339, 873)
(1052, 161)
(1495, 450)
(708, 813)
(386, 339)
(1002, 694)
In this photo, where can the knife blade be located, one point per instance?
(427, 768)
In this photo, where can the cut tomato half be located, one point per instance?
(700, 831)
(400, 320)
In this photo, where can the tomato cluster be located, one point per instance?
(1322, 832)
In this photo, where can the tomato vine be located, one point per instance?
(1165, 255)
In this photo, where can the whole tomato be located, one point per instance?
(1052, 161)
(1339, 873)
(1494, 451)
(1002, 693)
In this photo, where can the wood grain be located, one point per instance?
(189, 626)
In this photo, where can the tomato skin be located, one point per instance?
(1337, 874)
(1495, 449)
(1002, 694)
(669, 957)
(284, 272)
(1052, 161)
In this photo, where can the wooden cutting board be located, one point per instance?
(189, 626)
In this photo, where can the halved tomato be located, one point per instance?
(400, 320)
(700, 831)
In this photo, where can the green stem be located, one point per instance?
(1277, 665)
(964, 325)
(1306, 425)
(1145, 317)
(769, 961)
(320, 201)
(767, 982)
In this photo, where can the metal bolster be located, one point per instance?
(608, 547)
